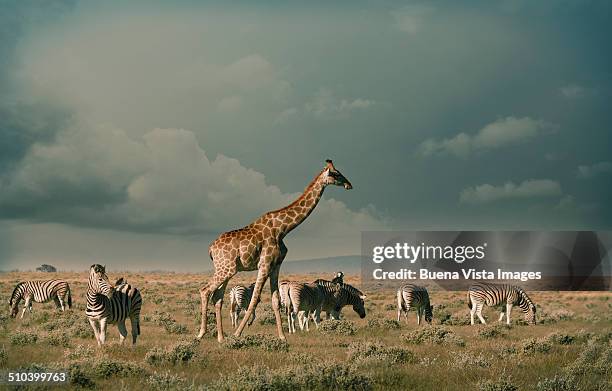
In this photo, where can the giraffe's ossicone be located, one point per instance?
(259, 246)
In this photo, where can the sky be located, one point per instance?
(132, 135)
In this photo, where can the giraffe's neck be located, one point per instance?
(295, 213)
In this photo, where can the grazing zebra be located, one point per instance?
(240, 297)
(481, 293)
(417, 297)
(40, 292)
(339, 278)
(303, 299)
(338, 295)
(112, 305)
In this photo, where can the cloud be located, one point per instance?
(164, 182)
(325, 105)
(601, 168)
(503, 132)
(532, 188)
(575, 91)
(411, 18)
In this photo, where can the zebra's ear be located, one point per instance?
(363, 297)
(120, 281)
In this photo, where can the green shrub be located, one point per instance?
(318, 376)
(57, 338)
(23, 338)
(265, 342)
(434, 335)
(179, 353)
(175, 328)
(105, 368)
(341, 327)
(166, 381)
(502, 385)
(382, 323)
(78, 377)
(79, 352)
(557, 383)
(359, 351)
(467, 360)
(266, 315)
(532, 345)
(561, 338)
(3, 357)
(390, 307)
(492, 331)
(82, 330)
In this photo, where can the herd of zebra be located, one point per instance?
(114, 303)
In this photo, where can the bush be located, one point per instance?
(467, 360)
(533, 345)
(58, 339)
(265, 342)
(502, 385)
(23, 338)
(492, 331)
(561, 339)
(341, 327)
(175, 328)
(385, 324)
(105, 368)
(179, 353)
(78, 377)
(82, 330)
(166, 381)
(557, 383)
(555, 316)
(79, 352)
(435, 335)
(390, 307)
(3, 357)
(359, 351)
(319, 376)
(266, 315)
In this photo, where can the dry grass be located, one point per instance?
(570, 349)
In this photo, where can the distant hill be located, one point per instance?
(349, 264)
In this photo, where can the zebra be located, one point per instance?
(41, 292)
(111, 304)
(338, 295)
(417, 297)
(339, 278)
(303, 299)
(240, 297)
(481, 293)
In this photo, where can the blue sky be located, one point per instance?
(135, 134)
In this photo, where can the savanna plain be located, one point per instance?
(570, 348)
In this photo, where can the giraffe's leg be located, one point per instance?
(262, 276)
(218, 299)
(276, 300)
(206, 292)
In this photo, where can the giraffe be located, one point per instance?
(259, 246)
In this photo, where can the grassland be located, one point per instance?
(569, 349)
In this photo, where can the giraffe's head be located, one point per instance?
(98, 281)
(331, 176)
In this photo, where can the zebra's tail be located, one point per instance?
(469, 300)
(69, 299)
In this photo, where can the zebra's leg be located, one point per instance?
(317, 317)
(472, 311)
(26, 305)
(102, 331)
(479, 313)
(61, 301)
(418, 315)
(57, 302)
(262, 276)
(501, 316)
(135, 322)
(122, 331)
(508, 309)
(218, 299)
(94, 326)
